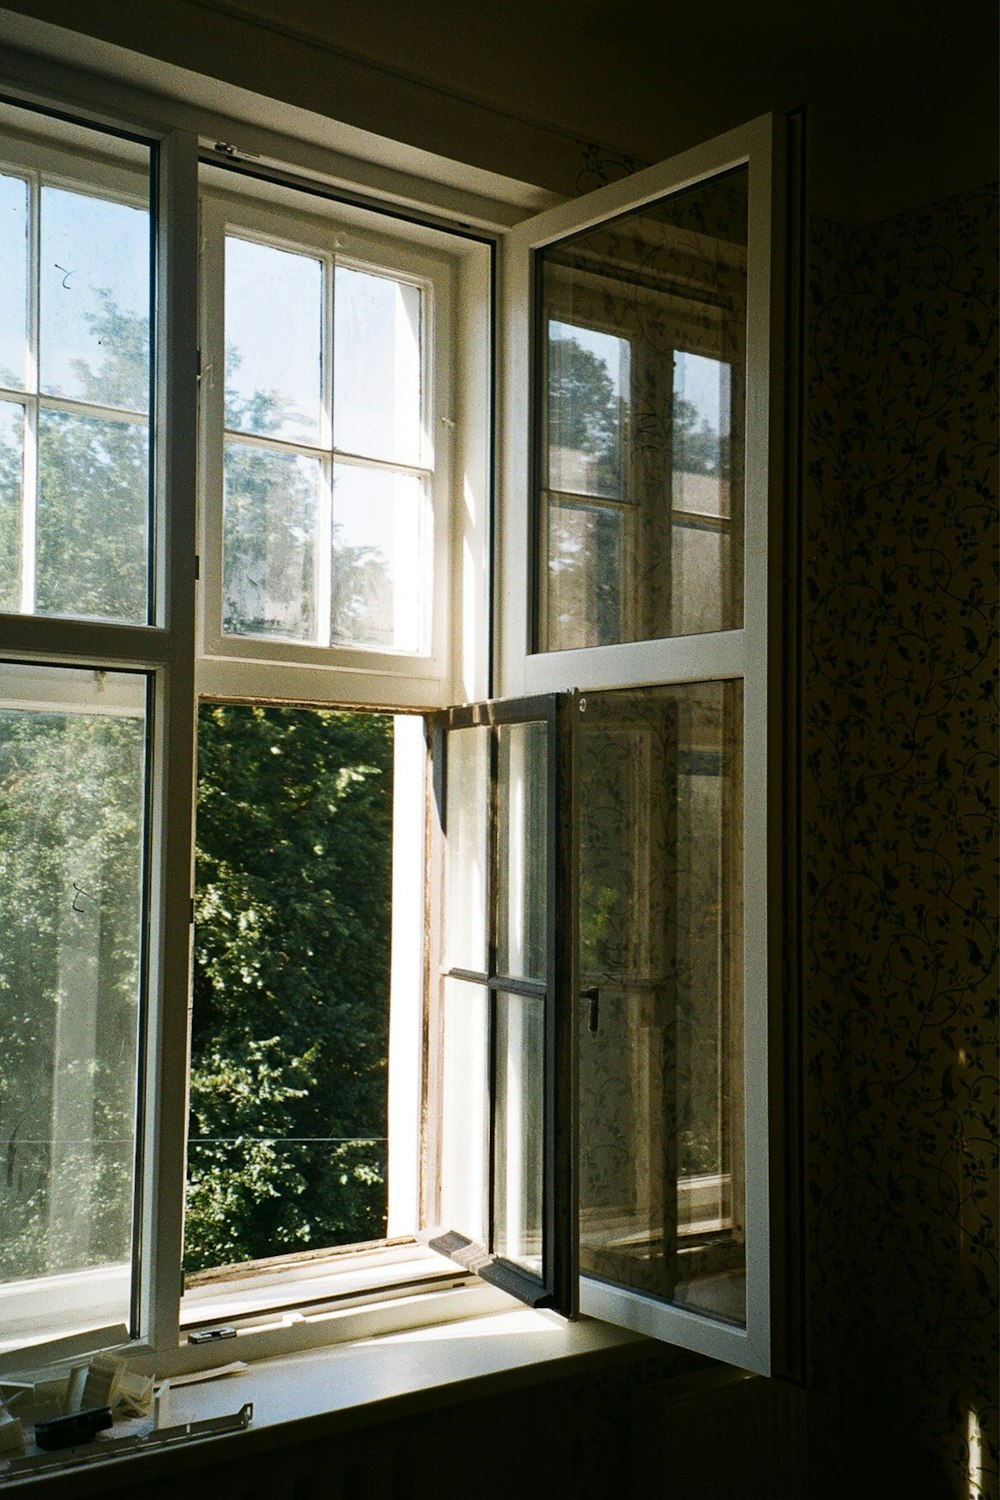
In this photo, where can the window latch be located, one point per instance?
(593, 994)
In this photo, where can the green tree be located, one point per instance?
(584, 408)
(289, 1044)
(288, 1079)
(93, 483)
(586, 412)
(71, 799)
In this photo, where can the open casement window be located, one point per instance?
(501, 1008)
(640, 493)
(600, 1097)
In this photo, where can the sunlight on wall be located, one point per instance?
(975, 1442)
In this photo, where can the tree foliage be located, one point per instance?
(288, 1065)
(71, 798)
(587, 414)
(289, 1044)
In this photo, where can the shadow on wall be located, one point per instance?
(898, 798)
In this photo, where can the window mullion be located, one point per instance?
(323, 561)
(29, 472)
(165, 1125)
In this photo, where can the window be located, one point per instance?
(581, 1044)
(75, 372)
(641, 525)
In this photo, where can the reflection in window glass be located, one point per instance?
(588, 385)
(519, 1129)
(661, 1122)
(72, 821)
(468, 849)
(648, 419)
(587, 602)
(465, 1112)
(522, 846)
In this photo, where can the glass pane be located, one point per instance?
(588, 390)
(661, 1013)
(94, 298)
(519, 1140)
(466, 852)
(522, 803)
(650, 416)
(465, 1110)
(269, 528)
(587, 602)
(376, 376)
(290, 1011)
(11, 468)
(13, 281)
(72, 795)
(381, 559)
(93, 503)
(274, 323)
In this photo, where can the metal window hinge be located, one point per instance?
(226, 148)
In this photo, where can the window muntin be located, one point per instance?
(643, 333)
(327, 531)
(165, 1273)
(501, 1024)
(75, 371)
(335, 484)
(73, 771)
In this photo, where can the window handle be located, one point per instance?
(593, 994)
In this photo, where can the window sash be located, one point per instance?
(749, 654)
(554, 1284)
(338, 671)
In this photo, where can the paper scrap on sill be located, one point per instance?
(197, 1376)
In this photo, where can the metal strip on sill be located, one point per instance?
(309, 1307)
(111, 1449)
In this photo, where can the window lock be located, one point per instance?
(212, 1335)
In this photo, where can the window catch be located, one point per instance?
(212, 1335)
(225, 148)
(593, 994)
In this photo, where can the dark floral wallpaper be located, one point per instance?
(899, 878)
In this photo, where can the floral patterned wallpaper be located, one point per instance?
(899, 877)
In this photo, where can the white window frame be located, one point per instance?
(168, 651)
(749, 654)
(336, 234)
(40, 163)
